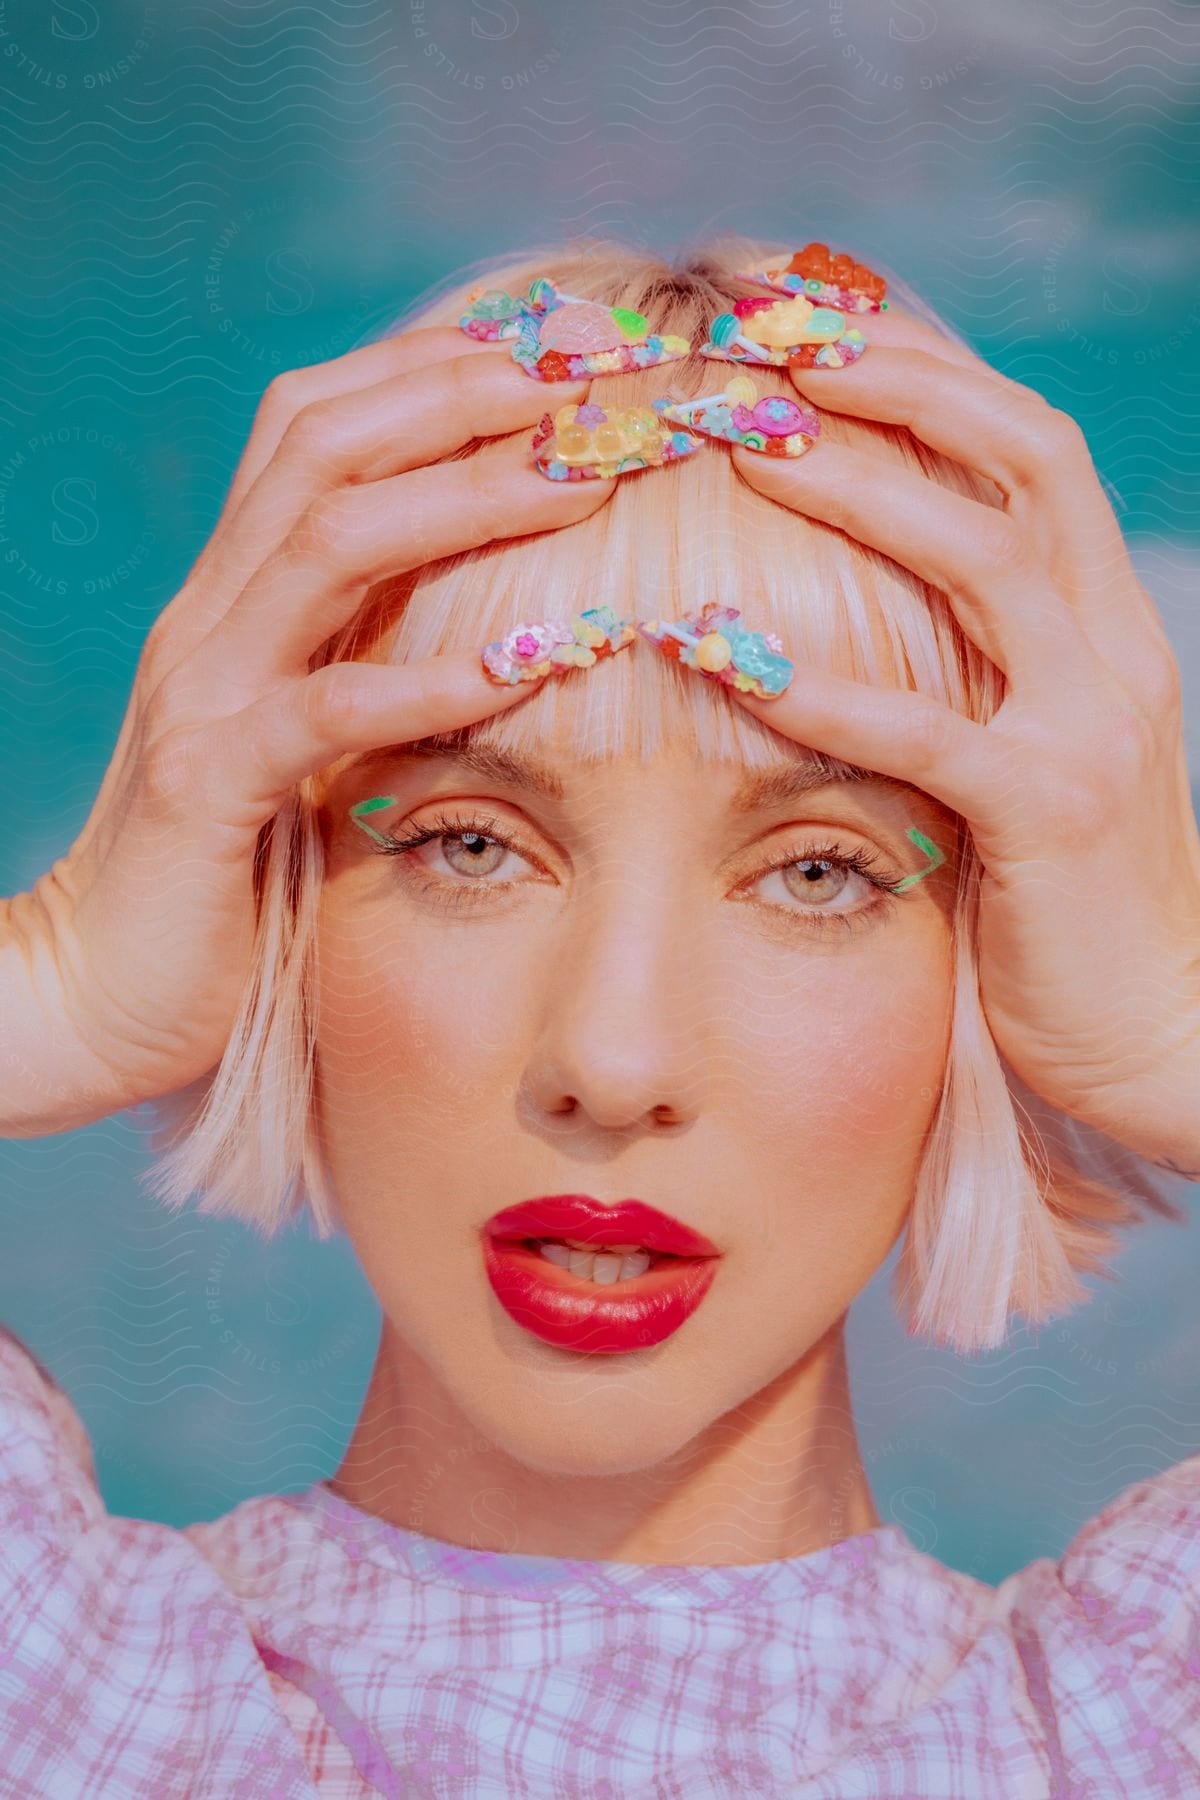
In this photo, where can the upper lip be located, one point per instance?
(591, 1221)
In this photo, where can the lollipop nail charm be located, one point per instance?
(590, 441)
(550, 646)
(780, 332)
(713, 643)
(830, 280)
(776, 425)
(574, 339)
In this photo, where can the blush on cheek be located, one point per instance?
(414, 1043)
(886, 1074)
(847, 1068)
(832, 1156)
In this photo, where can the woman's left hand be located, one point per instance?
(1076, 791)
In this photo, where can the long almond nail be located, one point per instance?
(568, 339)
(775, 426)
(779, 332)
(716, 646)
(589, 442)
(826, 279)
(552, 646)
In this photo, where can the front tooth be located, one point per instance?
(610, 1249)
(606, 1269)
(580, 1262)
(634, 1265)
(557, 1253)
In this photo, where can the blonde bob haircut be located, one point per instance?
(1013, 1201)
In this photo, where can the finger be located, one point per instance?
(260, 753)
(898, 330)
(893, 732)
(357, 536)
(295, 389)
(973, 553)
(243, 537)
(365, 434)
(361, 436)
(1034, 454)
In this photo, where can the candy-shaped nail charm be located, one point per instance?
(550, 646)
(591, 441)
(576, 339)
(779, 332)
(712, 642)
(825, 278)
(493, 314)
(775, 425)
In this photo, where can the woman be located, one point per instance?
(431, 955)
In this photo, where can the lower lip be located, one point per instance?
(576, 1314)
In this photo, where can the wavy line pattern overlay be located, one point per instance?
(200, 194)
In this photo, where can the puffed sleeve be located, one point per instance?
(1108, 1641)
(126, 1666)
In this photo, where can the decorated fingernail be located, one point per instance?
(776, 425)
(779, 332)
(493, 314)
(598, 442)
(712, 642)
(827, 279)
(551, 646)
(570, 339)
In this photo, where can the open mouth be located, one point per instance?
(604, 1265)
(597, 1298)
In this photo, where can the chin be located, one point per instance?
(588, 1431)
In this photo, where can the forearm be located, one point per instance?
(49, 1080)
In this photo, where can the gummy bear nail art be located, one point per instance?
(592, 441)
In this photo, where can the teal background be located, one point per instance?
(198, 195)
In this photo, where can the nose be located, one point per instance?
(623, 1037)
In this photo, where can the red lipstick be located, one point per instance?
(569, 1309)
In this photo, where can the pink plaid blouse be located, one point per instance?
(298, 1647)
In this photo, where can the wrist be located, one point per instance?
(1160, 1120)
(49, 1080)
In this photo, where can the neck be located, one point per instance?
(778, 1476)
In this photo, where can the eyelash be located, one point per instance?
(454, 894)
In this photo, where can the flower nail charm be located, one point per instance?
(713, 643)
(549, 646)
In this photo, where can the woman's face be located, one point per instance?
(656, 991)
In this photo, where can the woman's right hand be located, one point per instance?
(121, 971)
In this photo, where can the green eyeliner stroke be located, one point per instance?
(926, 845)
(928, 848)
(370, 806)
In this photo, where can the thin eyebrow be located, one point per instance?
(760, 788)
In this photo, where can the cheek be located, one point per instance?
(839, 1080)
(413, 1041)
(843, 1061)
